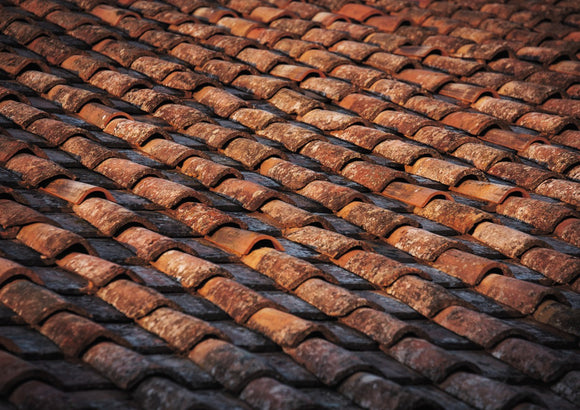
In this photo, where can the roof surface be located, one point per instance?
(283, 205)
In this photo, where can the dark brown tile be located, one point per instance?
(73, 334)
(328, 362)
(266, 391)
(33, 303)
(230, 365)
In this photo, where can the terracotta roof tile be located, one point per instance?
(376, 268)
(461, 282)
(482, 156)
(230, 365)
(121, 365)
(332, 196)
(248, 194)
(98, 271)
(412, 290)
(517, 352)
(133, 300)
(73, 334)
(328, 362)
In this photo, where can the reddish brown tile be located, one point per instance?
(248, 194)
(260, 87)
(331, 299)
(390, 63)
(473, 123)
(329, 155)
(265, 392)
(427, 79)
(365, 106)
(359, 76)
(334, 197)
(287, 271)
(482, 329)
(290, 216)
(134, 132)
(170, 153)
(534, 360)
(566, 191)
(21, 113)
(518, 142)
(148, 100)
(36, 171)
(115, 83)
(291, 136)
(51, 241)
(542, 215)
(325, 242)
(402, 152)
(15, 65)
(125, 172)
(133, 300)
(39, 81)
(246, 303)
(328, 362)
(149, 245)
(508, 241)
(123, 366)
(414, 195)
(242, 242)
(122, 52)
(518, 294)
(522, 175)
(555, 265)
(10, 270)
(75, 192)
(202, 219)
(288, 174)
(480, 391)
(167, 193)
(250, 153)
(376, 268)
(421, 243)
(529, 92)
(74, 334)
(431, 361)
(19, 372)
(460, 217)
(189, 270)
(330, 88)
(33, 303)
(179, 116)
(53, 49)
(285, 329)
(182, 331)
(231, 366)
(225, 71)
(412, 290)
(88, 152)
(568, 230)
(98, 271)
(444, 172)
(441, 138)
(373, 219)
(100, 115)
(545, 123)
(486, 191)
